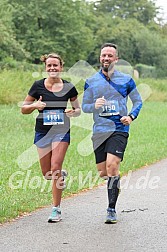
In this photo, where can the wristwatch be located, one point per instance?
(132, 116)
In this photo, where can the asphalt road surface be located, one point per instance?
(142, 225)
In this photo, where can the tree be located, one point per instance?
(121, 32)
(8, 43)
(142, 10)
(44, 26)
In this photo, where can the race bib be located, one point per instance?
(111, 107)
(53, 117)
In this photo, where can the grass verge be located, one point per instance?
(23, 188)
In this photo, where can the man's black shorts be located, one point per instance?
(114, 143)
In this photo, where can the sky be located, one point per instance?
(163, 4)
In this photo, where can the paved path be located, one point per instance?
(142, 225)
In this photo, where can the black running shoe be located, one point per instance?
(111, 216)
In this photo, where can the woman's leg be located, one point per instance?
(57, 158)
(45, 161)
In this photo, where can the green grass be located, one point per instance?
(148, 138)
(147, 144)
(14, 85)
(158, 88)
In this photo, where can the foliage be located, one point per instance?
(14, 85)
(46, 26)
(9, 63)
(8, 43)
(24, 189)
(142, 10)
(76, 30)
(158, 88)
(146, 71)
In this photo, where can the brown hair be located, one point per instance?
(52, 55)
(110, 45)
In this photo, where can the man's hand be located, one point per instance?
(99, 102)
(126, 120)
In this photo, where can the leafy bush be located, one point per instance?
(9, 63)
(158, 88)
(146, 71)
(14, 85)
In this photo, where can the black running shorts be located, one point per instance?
(114, 143)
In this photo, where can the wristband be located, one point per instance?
(132, 116)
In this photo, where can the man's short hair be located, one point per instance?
(109, 45)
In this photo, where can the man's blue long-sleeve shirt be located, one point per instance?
(119, 87)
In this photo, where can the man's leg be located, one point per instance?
(101, 167)
(113, 186)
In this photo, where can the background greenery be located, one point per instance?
(76, 30)
(15, 84)
(147, 144)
